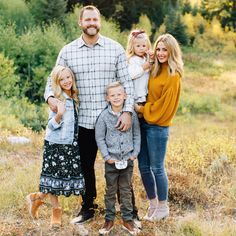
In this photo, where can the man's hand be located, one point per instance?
(124, 122)
(110, 161)
(52, 102)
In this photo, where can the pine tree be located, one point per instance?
(47, 11)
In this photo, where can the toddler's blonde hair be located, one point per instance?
(136, 34)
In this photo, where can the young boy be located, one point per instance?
(119, 150)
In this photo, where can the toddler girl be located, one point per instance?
(138, 53)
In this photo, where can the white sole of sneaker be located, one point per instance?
(135, 232)
(104, 231)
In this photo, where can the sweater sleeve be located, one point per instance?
(165, 107)
(100, 135)
(135, 69)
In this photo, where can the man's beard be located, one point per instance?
(91, 31)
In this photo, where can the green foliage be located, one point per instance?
(175, 26)
(111, 29)
(192, 103)
(34, 54)
(48, 11)
(8, 79)
(144, 23)
(187, 8)
(71, 29)
(17, 12)
(215, 39)
(224, 11)
(30, 115)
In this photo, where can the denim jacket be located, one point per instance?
(62, 133)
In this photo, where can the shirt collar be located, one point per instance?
(114, 113)
(100, 41)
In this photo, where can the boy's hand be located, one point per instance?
(132, 158)
(110, 161)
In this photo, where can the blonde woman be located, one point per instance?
(61, 170)
(162, 102)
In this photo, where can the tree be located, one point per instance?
(8, 79)
(223, 10)
(175, 26)
(47, 11)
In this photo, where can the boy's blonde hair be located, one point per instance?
(113, 85)
(56, 88)
(136, 34)
(175, 61)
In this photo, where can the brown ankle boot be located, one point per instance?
(56, 217)
(34, 202)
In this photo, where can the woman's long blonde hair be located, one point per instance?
(56, 88)
(136, 34)
(175, 62)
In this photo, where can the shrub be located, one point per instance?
(21, 17)
(30, 115)
(198, 104)
(8, 79)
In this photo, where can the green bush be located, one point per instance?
(17, 12)
(29, 114)
(194, 103)
(8, 79)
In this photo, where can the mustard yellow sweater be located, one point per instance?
(163, 98)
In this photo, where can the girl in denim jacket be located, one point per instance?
(61, 170)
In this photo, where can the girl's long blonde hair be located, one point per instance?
(136, 34)
(56, 76)
(175, 62)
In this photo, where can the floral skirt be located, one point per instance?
(61, 171)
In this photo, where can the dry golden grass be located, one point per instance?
(201, 166)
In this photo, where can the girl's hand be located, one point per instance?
(61, 108)
(151, 54)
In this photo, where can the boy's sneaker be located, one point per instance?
(161, 212)
(107, 227)
(34, 202)
(150, 213)
(129, 226)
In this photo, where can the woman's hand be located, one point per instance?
(137, 107)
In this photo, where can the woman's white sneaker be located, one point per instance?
(161, 212)
(150, 213)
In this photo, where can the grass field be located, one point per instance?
(201, 164)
